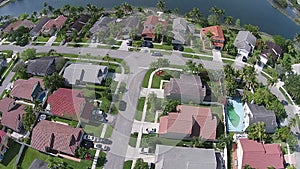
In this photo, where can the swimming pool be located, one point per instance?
(42, 96)
(235, 115)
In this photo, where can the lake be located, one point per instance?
(256, 12)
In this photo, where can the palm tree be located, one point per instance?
(228, 20)
(126, 8)
(257, 131)
(158, 30)
(292, 122)
(80, 10)
(50, 8)
(161, 5)
(297, 38)
(66, 9)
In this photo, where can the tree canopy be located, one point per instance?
(53, 82)
(28, 54)
(29, 118)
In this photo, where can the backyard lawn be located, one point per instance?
(10, 155)
(72, 123)
(30, 154)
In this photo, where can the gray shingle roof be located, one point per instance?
(41, 66)
(169, 157)
(244, 39)
(101, 25)
(38, 27)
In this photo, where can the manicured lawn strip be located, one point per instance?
(103, 47)
(118, 43)
(55, 44)
(42, 39)
(72, 123)
(93, 130)
(10, 155)
(133, 139)
(75, 45)
(156, 81)
(30, 154)
(150, 116)
(288, 99)
(165, 47)
(146, 78)
(189, 50)
(127, 164)
(197, 57)
(109, 131)
(139, 109)
(225, 55)
(177, 66)
(229, 62)
(5, 43)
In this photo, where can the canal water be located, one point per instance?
(256, 12)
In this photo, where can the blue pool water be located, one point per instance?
(42, 96)
(234, 115)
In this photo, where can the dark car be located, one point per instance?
(101, 147)
(283, 102)
(147, 43)
(87, 144)
(244, 59)
(122, 105)
(103, 141)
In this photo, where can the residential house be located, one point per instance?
(39, 26)
(41, 66)
(69, 104)
(170, 157)
(29, 90)
(254, 113)
(180, 30)
(101, 26)
(12, 114)
(79, 24)
(3, 144)
(187, 88)
(273, 52)
(245, 43)
(188, 122)
(149, 25)
(129, 24)
(15, 25)
(80, 74)
(54, 24)
(257, 155)
(217, 37)
(55, 138)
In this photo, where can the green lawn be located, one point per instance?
(150, 116)
(146, 78)
(55, 44)
(127, 164)
(103, 47)
(229, 62)
(5, 43)
(165, 47)
(167, 74)
(133, 139)
(118, 43)
(42, 39)
(109, 131)
(30, 154)
(139, 109)
(72, 123)
(10, 155)
(197, 57)
(93, 129)
(190, 50)
(114, 68)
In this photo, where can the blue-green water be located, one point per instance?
(256, 12)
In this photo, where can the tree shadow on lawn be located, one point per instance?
(11, 153)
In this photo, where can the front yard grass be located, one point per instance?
(197, 57)
(189, 50)
(30, 154)
(93, 129)
(114, 68)
(42, 39)
(139, 109)
(109, 131)
(150, 116)
(127, 164)
(10, 155)
(165, 47)
(166, 75)
(38, 43)
(146, 78)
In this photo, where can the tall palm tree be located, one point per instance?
(228, 20)
(161, 5)
(158, 30)
(126, 8)
(297, 38)
(66, 9)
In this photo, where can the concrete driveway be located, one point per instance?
(124, 45)
(50, 41)
(137, 125)
(217, 55)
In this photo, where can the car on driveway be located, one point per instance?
(102, 147)
(103, 140)
(151, 130)
(244, 59)
(88, 137)
(147, 43)
(146, 151)
(156, 54)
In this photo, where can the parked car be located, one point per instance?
(129, 42)
(101, 147)
(103, 140)
(146, 151)
(88, 137)
(147, 43)
(244, 59)
(156, 54)
(283, 102)
(42, 117)
(87, 144)
(151, 130)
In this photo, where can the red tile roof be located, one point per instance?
(152, 20)
(195, 121)
(66, 101)
(260, 155)
(217, 32)
(17, 24)
(58, 22)
(12, 113)
(23, 89)
(57, 136)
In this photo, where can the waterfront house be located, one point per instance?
(129, 24)
(28, 90)
(188, 122)
(170, 157)
(3, 144)
(15, 25)
(54, 24)
(272, 52)
(217, 36)
(187, 88)
(12, 114)
(80, 74)
(39, 26)
(149, 25)
(54, 138)
(257, 155)
(180, 30)
(78, 24)
(245, 43)
(69, 104)
(101, 26)
(254, 113)
(41, 66)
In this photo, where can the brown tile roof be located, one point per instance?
(58, 23)
(17, 24)
(23, 89)
(12, 113)
(190, 120)
(260, 155)
(218, 35)
(152, 20)
(59, 137)
(66, 101)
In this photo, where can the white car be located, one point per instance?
(88, 137)
(101, 147)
